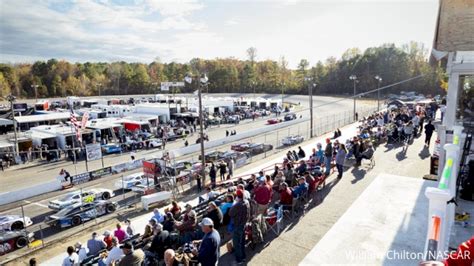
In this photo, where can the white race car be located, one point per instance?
(132, 180)
(292, 140)
(14, 222)
(87, 196)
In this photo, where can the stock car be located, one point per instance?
(129, 181)
(292, 140)
(14, 222)
(252, 148)
(111, 148)
(86, 196)
(240, 158)
(81, 212)
(290, 116)
(155, 143)
(211, 156)
(273, 121)
(12, 240)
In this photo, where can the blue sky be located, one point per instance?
(143, 30)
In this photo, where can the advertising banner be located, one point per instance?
(118, 168)
(81, 178)
(101, 172)
(93, 151)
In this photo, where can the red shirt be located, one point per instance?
(464, 256)
(108, 241)
(285, 197)
(263, 194)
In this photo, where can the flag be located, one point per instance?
(85, 118)
(75, 124)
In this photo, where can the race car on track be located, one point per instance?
(86, 196)
(12, 240)
(273, 121)
(292, 140)
(211, 156)
(111, 148)
(133, 180)
(252, 148)
(14, 222)
(81, 212)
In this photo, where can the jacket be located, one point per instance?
(240, 213)
(328, 150)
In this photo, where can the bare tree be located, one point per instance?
(252, 54)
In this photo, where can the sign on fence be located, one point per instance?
(101, 172)
(118, 168)
(93, 152)
(81, 178)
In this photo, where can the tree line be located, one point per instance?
(56, 78)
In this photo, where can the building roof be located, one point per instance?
(43, 117)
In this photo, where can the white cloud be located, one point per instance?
(232, 22)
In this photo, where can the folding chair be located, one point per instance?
(274, 222)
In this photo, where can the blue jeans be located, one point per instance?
(340, 170)
(238, 241)
(327, 163)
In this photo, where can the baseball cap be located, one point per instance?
(240, 193)
(126, 245)
(78, 245)
(188, 206)
(107, 233)
(207, 222)
(159, 227)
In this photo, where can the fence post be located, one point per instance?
(123, 188)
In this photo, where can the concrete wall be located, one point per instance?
(25, 193)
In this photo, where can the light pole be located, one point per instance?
(35, 87)
(282, 94)
(201, 82)
(12, 99)
(311, 85)
(253, 87)
(98, 86)
(379, 80)
(354, 79)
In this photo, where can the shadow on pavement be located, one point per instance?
(359, 174)
(424, 153)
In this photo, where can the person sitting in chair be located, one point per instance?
(366, 154)
(301, 188)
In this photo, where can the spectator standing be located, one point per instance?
(114, 255)
(231, 166)
(429, 129)
(72, 259)
(215, 214)
(319, 154)
(222, 170)
(328, 157)
(213, 174)
(132, 257)
(340, 158)
(263, 196)
(239, 214)
(120, 233)
(208, 253)
(95, 245)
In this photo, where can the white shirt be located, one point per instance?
(115, 254)
(416, 120)
(72, 260)
(83, 253)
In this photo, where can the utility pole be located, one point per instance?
(379, 80)
(202, 81)
(354, 79)
(311, 85)
(35, 87)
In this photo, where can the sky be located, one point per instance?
(147, 30)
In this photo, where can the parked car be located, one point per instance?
(213, 120)
(155, 143)
(273, 121)
(78, 213)
(14, 222)
(234, 119)
(290, 116)
(292, 140)
(111, 148)
(86, 196)
(176, 168)
(133, 180)
(12, 240)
